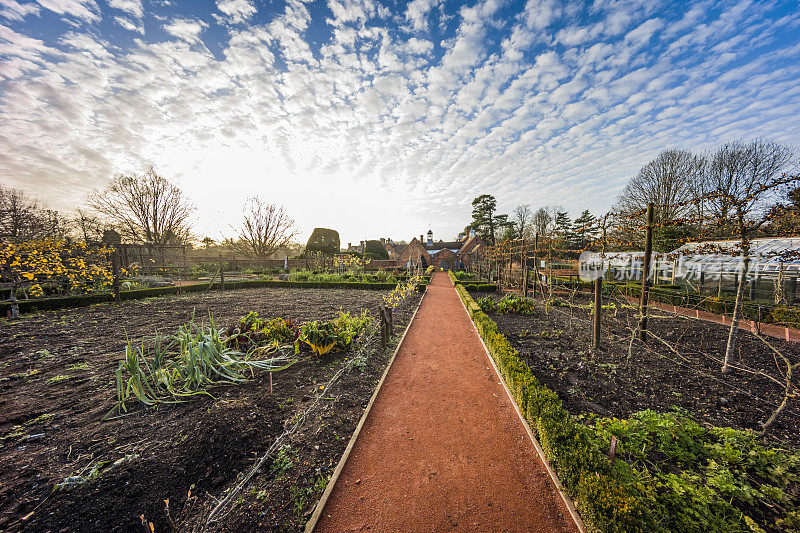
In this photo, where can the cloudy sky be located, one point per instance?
(380, 117)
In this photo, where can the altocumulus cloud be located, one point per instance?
(423, 105)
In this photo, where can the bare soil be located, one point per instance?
(557, 345)
(57, 384)
(442, 448)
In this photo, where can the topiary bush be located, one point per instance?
(374, 250)
(323, 240)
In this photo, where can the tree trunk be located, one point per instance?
(739, 294)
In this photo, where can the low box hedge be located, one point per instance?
(83, 300)
(608, 497)
(472, 285)
(621, 496)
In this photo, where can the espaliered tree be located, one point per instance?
(741, 175)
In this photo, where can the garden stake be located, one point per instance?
(612, 452)
(115, 274)
(648, 250)
(598, 310)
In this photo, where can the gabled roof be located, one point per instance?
(435, 247)
(471, 243)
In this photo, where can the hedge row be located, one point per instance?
(622, 497)
(608, 497)
(470, 285)
(84, 300)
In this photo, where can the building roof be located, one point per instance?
(436, 247)
(767, 255)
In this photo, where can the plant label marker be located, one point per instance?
(612, 452)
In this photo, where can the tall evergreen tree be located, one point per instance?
(484, 220)
(585, 227)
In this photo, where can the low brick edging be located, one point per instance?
(771, 330)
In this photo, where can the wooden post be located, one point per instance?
(535, 263)
(115, 274)
(648, 250)
(524, 270)
(221, 273)
(510, 263)
(598, 309)
(384, 326)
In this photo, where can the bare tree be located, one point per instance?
(265, 229)
(668, 182)
(146, 208)
(522, 219)
(19, 215)
(741, 176)
(88, 226)
(543, 220)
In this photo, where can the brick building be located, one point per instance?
(452, 255)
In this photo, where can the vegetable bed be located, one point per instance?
(58, 383)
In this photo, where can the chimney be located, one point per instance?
(383, 241)
(421, 239)
(349, 245)
(430, 237)
(362, 244)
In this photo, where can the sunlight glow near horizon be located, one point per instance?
(379, 120)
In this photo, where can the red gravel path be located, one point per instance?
(442, 448)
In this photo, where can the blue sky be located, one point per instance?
(383, 118)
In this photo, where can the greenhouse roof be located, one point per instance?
(767, 256)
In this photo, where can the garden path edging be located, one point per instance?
(312, 522)
(553, 477)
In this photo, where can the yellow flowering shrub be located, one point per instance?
(74, 267)
(401, 292)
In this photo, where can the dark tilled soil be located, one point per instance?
(557, 345)
(57, 384)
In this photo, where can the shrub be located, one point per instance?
(339, 334)
(789, 316)
(323, 240)
(515, 305)
(481, 287)
(375, 250)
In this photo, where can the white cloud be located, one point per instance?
(417, 13)
(86, 10)
(236, 11)
(132, 7)
(644, 32)
(128, 24)
(187, 29)
(13, 10)
(419, 46)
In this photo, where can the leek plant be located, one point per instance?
(174, 369)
